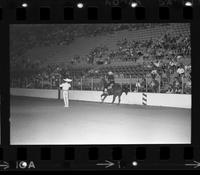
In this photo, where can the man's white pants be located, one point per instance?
(66, 98)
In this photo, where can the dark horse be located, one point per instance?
(117, 91)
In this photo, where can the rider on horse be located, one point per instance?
(111, 82)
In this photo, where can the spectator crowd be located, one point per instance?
(166, 59)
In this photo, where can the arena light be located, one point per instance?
(188, 4)
(80, 5)
(134, 4)
(24, 5)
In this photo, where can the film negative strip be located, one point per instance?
(99, 85)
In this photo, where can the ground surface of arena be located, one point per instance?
(38, 121)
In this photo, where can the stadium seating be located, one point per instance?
(122, 64)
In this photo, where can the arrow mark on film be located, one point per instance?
(5, 165)
(195, 164)
(107, 164)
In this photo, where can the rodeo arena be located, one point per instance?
(121, 84)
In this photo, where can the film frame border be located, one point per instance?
(81, 157)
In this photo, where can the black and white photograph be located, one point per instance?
(100, 84)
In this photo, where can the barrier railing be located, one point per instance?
(181, 85)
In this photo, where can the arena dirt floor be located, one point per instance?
(38, 121)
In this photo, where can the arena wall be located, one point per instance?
(41, 93)
(166, 100)
(131, 98)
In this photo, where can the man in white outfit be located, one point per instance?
(65, 88)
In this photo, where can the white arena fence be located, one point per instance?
(132, 98)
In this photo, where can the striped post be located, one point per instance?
(130, 83)
(182, 85)
(144, 99)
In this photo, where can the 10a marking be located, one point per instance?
(25, 165)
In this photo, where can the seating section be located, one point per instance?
(129, 53)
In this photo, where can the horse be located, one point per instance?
(117, 91)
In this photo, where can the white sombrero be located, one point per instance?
(67, 79)
(110, 73)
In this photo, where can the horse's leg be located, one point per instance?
(102, 95)
(114, 96)
(119, 96)
(105, 95)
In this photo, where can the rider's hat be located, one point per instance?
(110, 73)
(67, 80)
